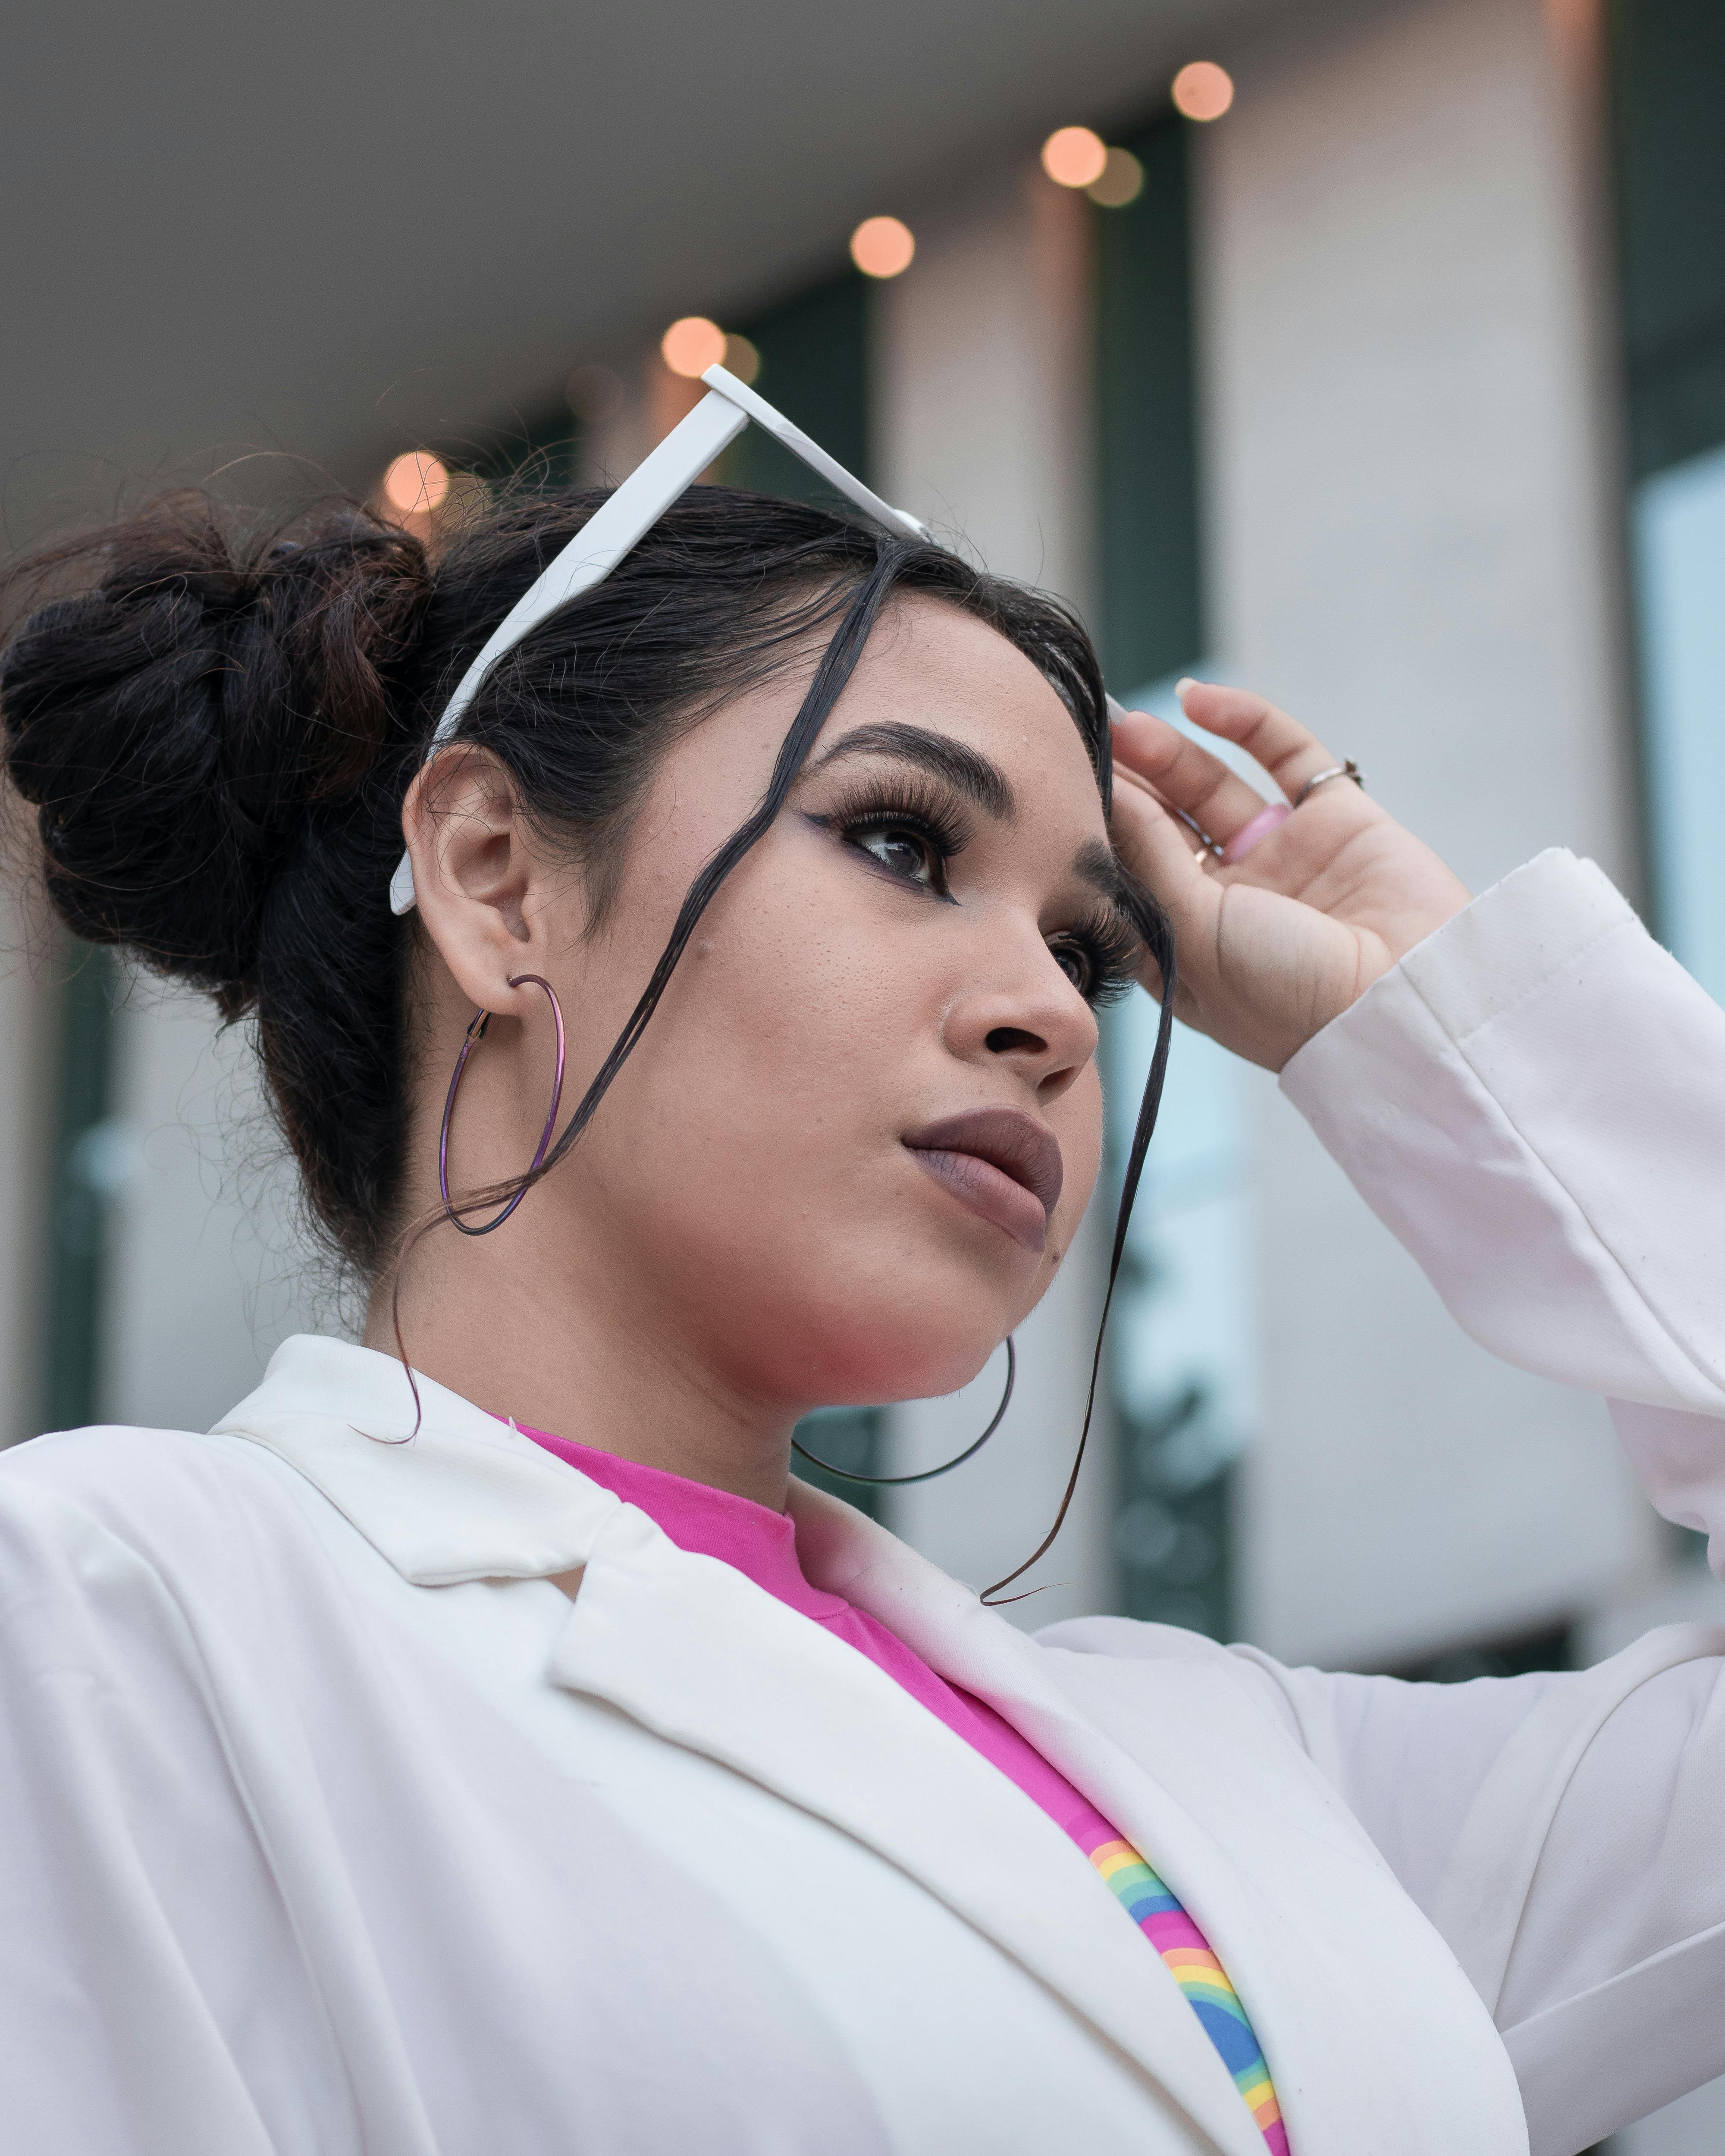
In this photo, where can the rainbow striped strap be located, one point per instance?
(1200, 1976)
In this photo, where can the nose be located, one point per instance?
(1022, 1015)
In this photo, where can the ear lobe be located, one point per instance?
(473, 872)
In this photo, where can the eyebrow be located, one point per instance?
(964, 769)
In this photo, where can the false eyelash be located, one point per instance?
(904, 802)
(871, 804)
(1113, 948)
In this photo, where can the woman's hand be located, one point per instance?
(1274, 944)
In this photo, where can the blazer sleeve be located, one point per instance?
(1533, 1102)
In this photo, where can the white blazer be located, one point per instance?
(401, 1799)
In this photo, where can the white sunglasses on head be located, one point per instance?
(662, 477)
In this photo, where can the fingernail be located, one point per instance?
(1184, 683)
(1271, 817)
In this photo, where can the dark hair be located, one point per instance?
(218, 728)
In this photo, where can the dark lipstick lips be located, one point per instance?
(1007, 1140)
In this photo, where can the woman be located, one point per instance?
(511, 1755)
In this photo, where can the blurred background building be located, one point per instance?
(1371, 352)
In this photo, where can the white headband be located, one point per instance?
(661, 478)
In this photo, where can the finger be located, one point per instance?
(1185, 774)
(1125, 777)
(1160, 853)
(1287, 750)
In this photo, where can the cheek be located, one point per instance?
(779, 1056)
(1076, 1121)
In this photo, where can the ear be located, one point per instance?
(483, 895)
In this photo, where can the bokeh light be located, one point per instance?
(416, 483)
(742, 359)
(1075, 157)
(692, 345)
(882, 247)
(1121, 180)
(1203, 90)
(595, 393)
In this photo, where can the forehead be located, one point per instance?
(932, 665)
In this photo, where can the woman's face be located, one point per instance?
(857, 1137)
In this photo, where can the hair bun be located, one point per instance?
(179, 725)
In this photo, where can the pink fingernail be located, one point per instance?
(1269, 818)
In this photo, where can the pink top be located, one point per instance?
(763, 1545)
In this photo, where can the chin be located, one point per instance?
(906, 1345)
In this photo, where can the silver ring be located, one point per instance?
(1348, 770)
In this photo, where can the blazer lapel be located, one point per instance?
(697, 1653)
(1373, 2036)
(1375, 2039)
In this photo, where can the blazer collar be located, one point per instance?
(463, 1497)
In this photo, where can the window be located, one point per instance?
(1668, 83)
(815, 367)
(87, 1141)
(1151, 616)
(1180, 1348)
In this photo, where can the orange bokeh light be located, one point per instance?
(1203, 90)
(691, 345)
(882, 246)
(417, 483)
(1074, 156)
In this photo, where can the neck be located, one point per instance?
(519, 1330)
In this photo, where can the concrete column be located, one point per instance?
(1409, 480)
(981, 373)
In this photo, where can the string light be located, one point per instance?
(882, 247)
(691, 345)
(1075, 157)
(1202, 90)
(416, 483)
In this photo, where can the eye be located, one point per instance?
(903, 851)
(1100, 956)
(905, 827)
(1074, 962)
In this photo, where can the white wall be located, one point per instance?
(205, 1270)
(981, 426)
(1408, 460)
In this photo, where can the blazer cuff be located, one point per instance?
(1493, 955)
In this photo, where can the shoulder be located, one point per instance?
(128, 1526)
(1118, 1657)
(1124, 1638)
(135, 1481)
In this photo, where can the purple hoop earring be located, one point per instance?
(477, 1032)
